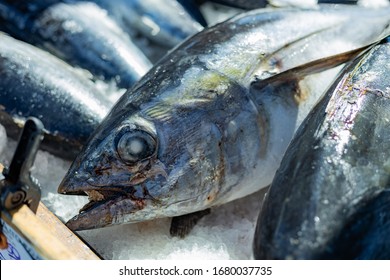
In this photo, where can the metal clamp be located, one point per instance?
(18, 186)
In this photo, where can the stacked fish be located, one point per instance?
(212, 120)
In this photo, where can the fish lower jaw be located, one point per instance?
(89, 205)
(111, 210)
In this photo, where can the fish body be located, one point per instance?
(308, 3)
(80, 33)
(330, 198)
(35, 83)
(243, 4)
(345, 2)
(164, 22)
(196, 131)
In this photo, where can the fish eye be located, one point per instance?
(135, 146)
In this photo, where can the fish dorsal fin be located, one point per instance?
(312, 67)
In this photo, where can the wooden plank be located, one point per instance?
(65, 235)
(24, 221)
(43, 234)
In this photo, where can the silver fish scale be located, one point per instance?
(211, 119)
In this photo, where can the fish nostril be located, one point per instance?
(80, 176)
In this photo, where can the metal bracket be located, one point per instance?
(18, 186)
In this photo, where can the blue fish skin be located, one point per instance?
(330, 198)
(345, 2)
(243, 4)
(165, 22)
(35, 83)
(81, 34)
(288, 3)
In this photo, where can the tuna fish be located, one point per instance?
(81, 34)
(35, 83)
(330, 198)
(202, 128)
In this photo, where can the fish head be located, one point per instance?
(163, 160)
(113, 170)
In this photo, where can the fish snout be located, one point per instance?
(74, 182)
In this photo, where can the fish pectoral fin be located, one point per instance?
(312, 67)
(182, 225)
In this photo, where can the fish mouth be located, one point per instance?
(107, 204)
(112, 200)
(106, 207)
(97, 197)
